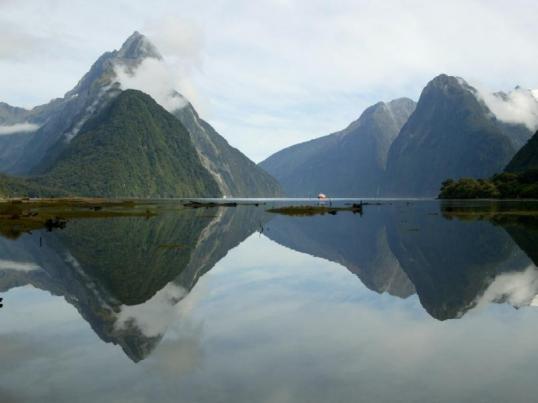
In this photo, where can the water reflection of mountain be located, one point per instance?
(126, 275)
(121, 273)
(401, 249)
(358, 243)
(452, 262)
(524, 231)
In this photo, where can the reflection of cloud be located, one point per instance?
(279, 326)
(518, 288)
(181, 354)
(153, 316)
(17, 349)
(17, 266)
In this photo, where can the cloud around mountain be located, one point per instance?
(18, 128)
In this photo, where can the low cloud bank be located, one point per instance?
(519, 106)
(18, 128)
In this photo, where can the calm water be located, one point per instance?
(412, 301)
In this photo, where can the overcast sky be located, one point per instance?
(268, 74)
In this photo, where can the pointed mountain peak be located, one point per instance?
(396, 106)
(447, 86)
(397, 111)
(445, 81)
(138, 46)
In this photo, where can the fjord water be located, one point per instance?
(410, 301)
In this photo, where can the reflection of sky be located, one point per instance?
(268, 324)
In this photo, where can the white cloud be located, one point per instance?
(314, 63)
(182, 42)
(517, 106)
(18, 128)
(155, 78)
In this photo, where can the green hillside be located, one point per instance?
(519, 179)
(18, 187)
(133, 148)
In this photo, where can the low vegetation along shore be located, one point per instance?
(18, 216)
(501, 186)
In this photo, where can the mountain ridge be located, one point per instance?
(36, 154)
(133, 148)
(358, 152)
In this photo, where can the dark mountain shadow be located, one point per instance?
(109, 269)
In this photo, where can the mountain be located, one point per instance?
(405, 149)
(451, 134)
(17, 127)
(235, 174)
(62, 120)
(350, 162)
(134, 147)
(526, 158)
(66, 116)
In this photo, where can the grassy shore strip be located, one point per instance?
(306, 211)
(18, 216)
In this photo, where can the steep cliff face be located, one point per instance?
(235, 174)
